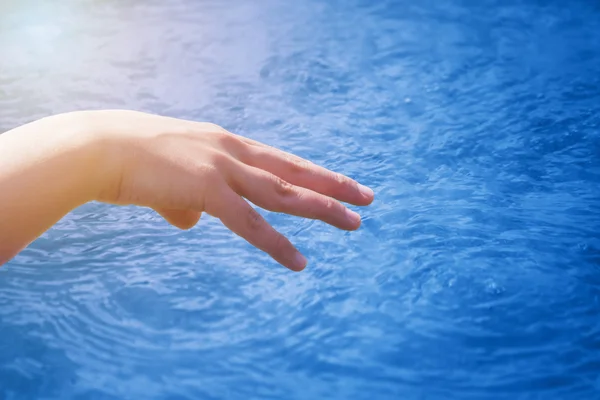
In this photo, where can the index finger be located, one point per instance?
(301, 172)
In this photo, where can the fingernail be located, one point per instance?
(353, 217)
(299, 261)
(365, 191)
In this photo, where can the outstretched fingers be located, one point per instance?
(276, 181)
(301, 172)
(237, 215)
(275, 194)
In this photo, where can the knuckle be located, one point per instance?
(228, 139)
(298, 165)
(217, 134)
(329, 206)
(220, 161)
(243, 153)
(340, 179)
(237, 148)
(223, 138)
(254, 220)
(232, 145)
(282, 187)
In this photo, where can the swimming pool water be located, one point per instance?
(475, 275)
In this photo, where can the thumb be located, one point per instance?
(182, 219)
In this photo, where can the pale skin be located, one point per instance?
(179, 168)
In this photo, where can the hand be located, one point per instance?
(179, 168)
(182, 168)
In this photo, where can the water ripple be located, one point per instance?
(474, 275)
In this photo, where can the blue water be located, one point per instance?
(475, 275)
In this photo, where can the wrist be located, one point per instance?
(92, 153)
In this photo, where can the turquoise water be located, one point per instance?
(475, 274)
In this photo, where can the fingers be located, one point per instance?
(182, 219)
(295, 170)
(300, 172)
(273, 193)
(237, 215)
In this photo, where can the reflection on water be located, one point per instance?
(475, 274)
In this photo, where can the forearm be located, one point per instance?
(47, 168)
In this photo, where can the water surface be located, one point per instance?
(475, 273)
